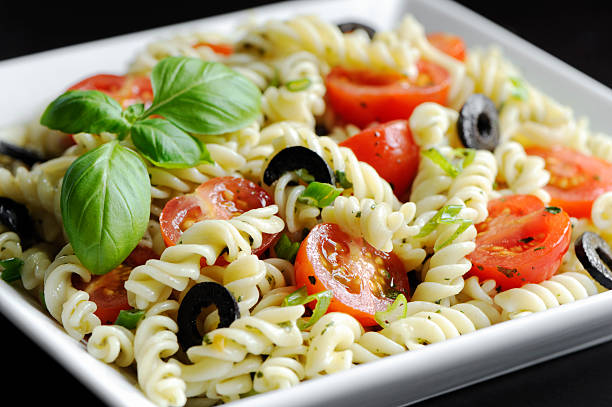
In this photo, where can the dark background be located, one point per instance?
(579, 34)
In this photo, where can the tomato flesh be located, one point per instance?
(218, 198)
(451, 45)
(362, 97)
(391, 150)
(576, 179)
(126, 89)
(520, 242)
(360, 277)
(223, 49)
(108, 292)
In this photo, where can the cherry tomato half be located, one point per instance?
(391, 150)
(362, 97)
(218, 198)
(126, 89)
(576, 179)
(520, 242)
(451, 45)
(108, 292)
(223, 49)
(361, 277)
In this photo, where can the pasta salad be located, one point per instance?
(237, 214)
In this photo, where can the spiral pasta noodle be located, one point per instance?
(112, 344)
(69, 306)
(155, 339)
(558, 290)
(433, 125)
(206, 239)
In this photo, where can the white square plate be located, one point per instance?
(28, 83)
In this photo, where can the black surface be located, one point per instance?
(579, 34)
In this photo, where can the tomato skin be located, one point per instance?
(217, 198)
(391, 150)
(223, 49)
(520, 242)
(140, 255)
(362, 97)
(576, 179)
(126, 89)
(108, 292)
(451, 45)
(356, 272)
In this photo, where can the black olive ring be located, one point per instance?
(596, 257)
(295, 158)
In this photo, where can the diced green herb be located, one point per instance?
(129, 318)
(342, 180)
(11, 269)
(301, 297)
(286, 249)
(298, 85)
(507, 271)
(519, 90)
(319, 194)
(553, 209)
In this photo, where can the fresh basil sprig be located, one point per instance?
(105, 197)
(105, 203)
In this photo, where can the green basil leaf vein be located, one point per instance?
(167, 146)
(105, 203)
(203, 97)
(88, 111)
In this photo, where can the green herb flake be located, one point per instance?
(553, 209)
(11, 269)
(539, 248)
(507, 272)
(519, 90)
(526, 240)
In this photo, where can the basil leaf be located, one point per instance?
(133, 112)
(105, 203)
(88, 111)
(301, 297)
(167, 146)
(203, 97)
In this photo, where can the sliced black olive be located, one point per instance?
(596, 257)
(200, 296)
(321, 130)
(16, 218)
(295, 158)
(28, 157)
(350, 27)
(478, 124)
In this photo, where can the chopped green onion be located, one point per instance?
(446, 214)
(298, 85)
(466, 154)
(286, 249)
(301, 297)
(129, 318)
(519, 90)
(342, 180)
(394, 312)
(319, 194)
(436, 156)
(11, 269)
(463, 225)
(304, 175)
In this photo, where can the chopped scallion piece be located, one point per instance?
(436, 156)
(298, 85)
(395, 311)
(319, 194)
(286, 249)
(304, 175)
(129, 318)
(11, 269)
(301, 297)
(342, 180)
